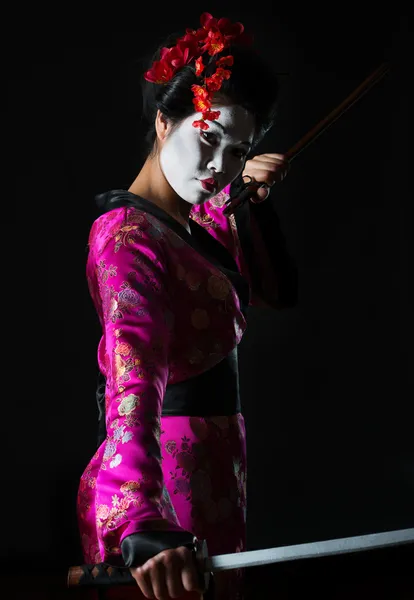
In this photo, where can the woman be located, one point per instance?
(171, 276)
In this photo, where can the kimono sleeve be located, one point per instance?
(133, 289)
(272, 269)
(254, 237)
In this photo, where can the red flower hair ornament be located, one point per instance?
(212, 37)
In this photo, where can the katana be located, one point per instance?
(104, 574)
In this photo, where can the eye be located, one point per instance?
(240, 153)
(210, 138)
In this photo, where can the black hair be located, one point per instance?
(253, 85)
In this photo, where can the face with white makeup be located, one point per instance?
(189, 155)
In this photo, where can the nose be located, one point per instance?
(216, 163)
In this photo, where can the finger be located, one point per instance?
(158, 581)
(270, 156)
(267, 172)
(143, 579)
(266, 176)
(247, 178)
(173, 578)
(189, 575)
(271, 165)
(261, 194)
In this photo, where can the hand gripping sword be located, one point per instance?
(250, 187)
(105, 575)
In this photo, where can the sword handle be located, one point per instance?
(247, 190)
(106, 575)
(102, 574)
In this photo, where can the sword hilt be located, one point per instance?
(105, 574)
(246, 191)
(102, 574)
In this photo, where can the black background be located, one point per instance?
(327, 387)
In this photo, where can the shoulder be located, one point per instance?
(126, 226)
(126, 219)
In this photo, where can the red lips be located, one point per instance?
(209, 184)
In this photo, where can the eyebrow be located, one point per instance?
(247, 143)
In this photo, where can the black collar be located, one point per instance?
(199, 239)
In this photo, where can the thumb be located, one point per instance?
(261, 194)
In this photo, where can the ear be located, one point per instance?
(162, 127)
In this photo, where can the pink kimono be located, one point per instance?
(173, 309)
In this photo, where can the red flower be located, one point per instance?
(212, 37)
(180, 55)
(199, 91)
(201, 105)
(223, 73)
(211, 115)
(208, 21)
(198, 35)
(230, 32)
(215, 43)
(225, 61)
(214, 82)
(201, 124)
(199, 66)
(160, 72)
(190, 49)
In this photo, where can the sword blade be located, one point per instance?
(256, 558)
